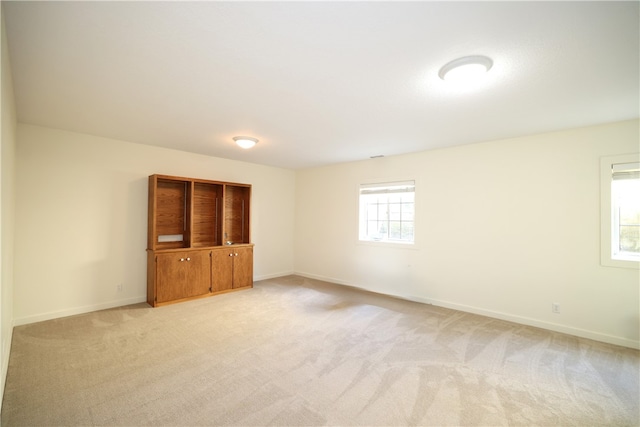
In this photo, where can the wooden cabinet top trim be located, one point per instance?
(199, 180)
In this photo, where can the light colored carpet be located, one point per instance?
(294, 351)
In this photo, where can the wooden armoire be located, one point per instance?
(199, 240)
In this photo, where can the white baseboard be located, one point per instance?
(272, 276)
(6, 353)
(556, 327)
(77, 310)
(621, 341)
(118, 303)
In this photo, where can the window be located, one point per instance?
(387, 212)
(620, 228)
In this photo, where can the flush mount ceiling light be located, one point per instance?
(466, 69)
(245, 141)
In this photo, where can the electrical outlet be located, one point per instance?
(555, 308)
(119, 287)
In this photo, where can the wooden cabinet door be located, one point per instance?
(222, 269)
(198, 273)
(182, 275)
(243, 267)
(232, 268)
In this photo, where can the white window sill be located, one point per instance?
(630, 262)
(388, 244)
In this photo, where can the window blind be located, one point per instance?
(625, 171)
(388, 188)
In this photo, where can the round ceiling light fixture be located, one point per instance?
(245, 142)
(466, 69)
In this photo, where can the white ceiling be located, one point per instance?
(320, 82)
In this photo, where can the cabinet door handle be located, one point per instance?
(236, 254)
(230, 254)
(188, 259)
(181, 259)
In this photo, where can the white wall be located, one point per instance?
(7, 206)
(82, 218)
(504, 228)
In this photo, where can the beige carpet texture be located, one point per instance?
(300, 352)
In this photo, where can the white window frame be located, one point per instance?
(608, 238)
(362, 216)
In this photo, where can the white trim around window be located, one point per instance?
(387, 213)
(615, 169)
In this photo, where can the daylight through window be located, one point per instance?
(625, 211)
(387, 212)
